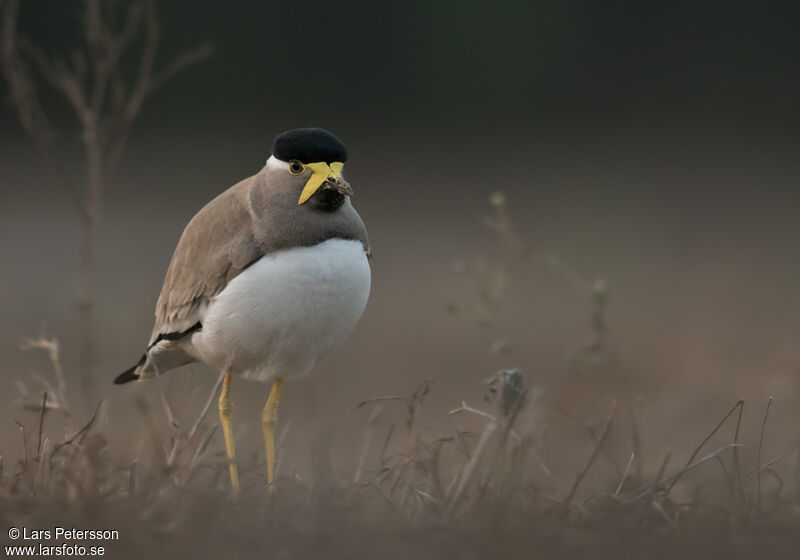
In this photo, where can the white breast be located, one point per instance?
(286, 311)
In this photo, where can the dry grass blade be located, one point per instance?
(178, 441)
(469, 470)
(705, 459)
(624, 475)
(51, 347)
(41, 469)
(512, 418)
(386, 441)
(649, 493)
(365, 448)
(728, 476)
(660, 481)
(205, 408)
(466, 408)
(737, 470)
(80, 433)
(379, 399)
(739, 404)
(760, 445)
(200, 450)
(589, 461)
(767, 465)
(415, 402)
(41, 426)
(636, 441)
(420, 486)
(664, 515)
(24, 443)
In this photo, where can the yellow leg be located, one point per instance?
(226, 417)
(269, 419)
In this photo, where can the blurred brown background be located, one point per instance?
(653, 146)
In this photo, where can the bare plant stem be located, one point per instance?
(24, 443)
(105, 105)
(206, 408)
(760, 445)
(41, 426)
(469, 469)
(737, 470)
(739, 404)
(368, 437)
(589, 461)
(661, 481)
(624, 475)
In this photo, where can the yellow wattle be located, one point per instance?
(321, 172)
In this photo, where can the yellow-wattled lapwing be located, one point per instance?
(267, 278)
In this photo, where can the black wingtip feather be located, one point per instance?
(130, 374)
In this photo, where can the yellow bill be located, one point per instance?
(320, 172)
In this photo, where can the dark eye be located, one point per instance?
(295, 167)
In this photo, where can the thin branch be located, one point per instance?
(183, 60)
(133, 19)
(106, 47)
(145, 83)
(85, 79)
(31, 113)
(43, 64)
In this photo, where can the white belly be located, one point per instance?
(286, 311)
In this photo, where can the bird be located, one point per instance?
(267, 278)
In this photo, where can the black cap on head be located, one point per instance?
(309, 145)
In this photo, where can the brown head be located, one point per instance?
(303, 188)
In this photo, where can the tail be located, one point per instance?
(131, 374)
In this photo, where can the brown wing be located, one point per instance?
(216, 246)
